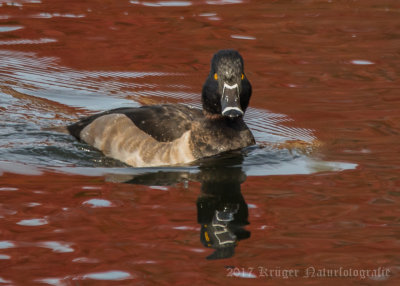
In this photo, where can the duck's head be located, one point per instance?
(227, 90)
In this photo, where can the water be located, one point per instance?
(319, 192)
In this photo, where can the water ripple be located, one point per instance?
(162, 3)
(85, 260)
(56, 246)
(224, 2)
(52, 281)
(7, 244)
(243, 37)
(10, 28)
(5, 281)
(113, 275)
(33, 222)
(27, 41)
(98, 203)
(362, 62)
(86, 89)
(54, 15)
(182, 3)
(8, 189)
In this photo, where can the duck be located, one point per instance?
(177, 134)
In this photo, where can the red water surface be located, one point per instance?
(332, 66)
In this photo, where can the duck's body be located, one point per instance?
(160, 134)
(176, 134)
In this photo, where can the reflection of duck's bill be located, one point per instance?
(216, 236)
(230, 101)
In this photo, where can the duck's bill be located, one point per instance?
(230, 101)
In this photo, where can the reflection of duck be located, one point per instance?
(222, 213)
(221, 209)
(177, 134)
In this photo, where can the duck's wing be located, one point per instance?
(164, 123)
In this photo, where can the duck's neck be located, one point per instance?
(216, 134)
(212, 116)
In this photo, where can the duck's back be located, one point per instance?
(144, 136)
(164, 123)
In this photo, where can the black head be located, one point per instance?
(227, 90)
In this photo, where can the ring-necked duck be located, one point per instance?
(177, 134)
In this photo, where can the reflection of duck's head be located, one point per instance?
(224, 229)
(221, 208)
(227, 90)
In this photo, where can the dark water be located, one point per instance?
(316, 201)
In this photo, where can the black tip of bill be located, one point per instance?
(232, 112)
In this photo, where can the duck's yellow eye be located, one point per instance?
(242, 76)
(215, 76)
